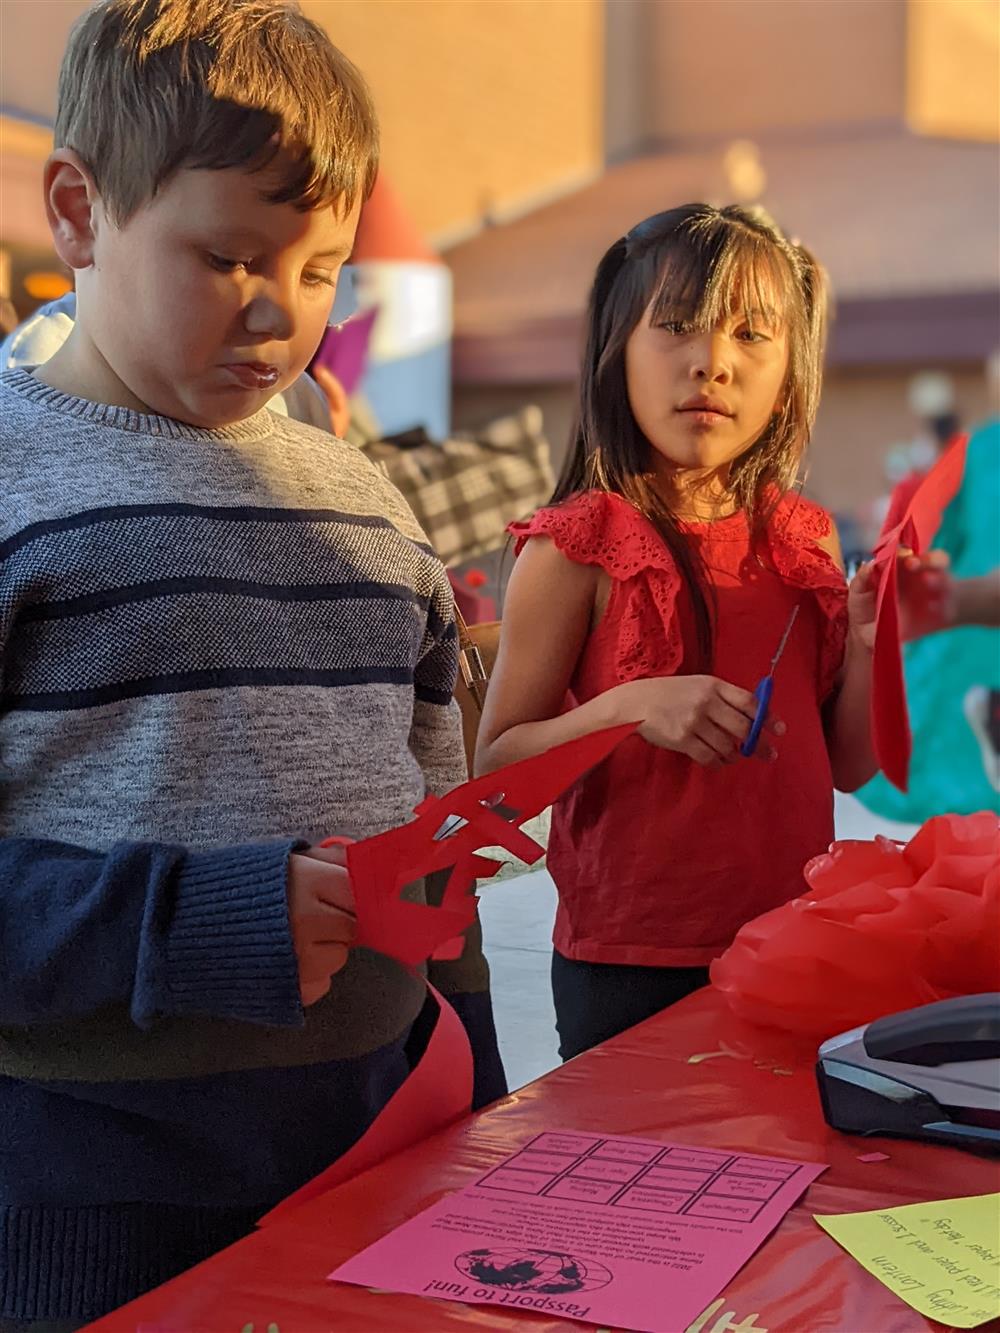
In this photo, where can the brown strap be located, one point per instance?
(470, 663)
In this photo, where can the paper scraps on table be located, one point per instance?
(624, 1232)
(941, 1258)
(915, 531)
(724, 1052)
(868, 1157)
(446, 836)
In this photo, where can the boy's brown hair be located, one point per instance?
(149, 86)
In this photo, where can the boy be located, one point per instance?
(223, 638)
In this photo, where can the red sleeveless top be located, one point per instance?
(658, 860)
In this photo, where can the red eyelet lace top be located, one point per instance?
(658, 860)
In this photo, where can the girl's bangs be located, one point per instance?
(714, 271)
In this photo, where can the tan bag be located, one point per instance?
(477, 655)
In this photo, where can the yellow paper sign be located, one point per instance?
(942, 1258)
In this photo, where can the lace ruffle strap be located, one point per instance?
(794, 534)
(600, 529)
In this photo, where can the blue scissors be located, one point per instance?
(764, 690)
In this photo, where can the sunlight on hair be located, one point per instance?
(146, 88)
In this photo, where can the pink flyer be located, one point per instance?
(622, 1232)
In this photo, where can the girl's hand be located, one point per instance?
(861, 606)
(700, 716)
(321, 913)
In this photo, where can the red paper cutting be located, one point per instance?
(921, 518)
(493, 808)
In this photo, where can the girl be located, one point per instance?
(656, 589)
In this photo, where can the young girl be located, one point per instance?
(656, 589)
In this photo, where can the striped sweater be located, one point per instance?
(213, 644)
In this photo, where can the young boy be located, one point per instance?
(223, 638)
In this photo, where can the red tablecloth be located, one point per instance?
(761, 1098)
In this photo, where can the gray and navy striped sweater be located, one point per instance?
(213, 644)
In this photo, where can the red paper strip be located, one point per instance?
(890, 723)
(381, 867)
(437, 1092)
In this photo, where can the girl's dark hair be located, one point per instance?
(698, 264)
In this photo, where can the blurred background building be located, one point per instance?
(523, 136)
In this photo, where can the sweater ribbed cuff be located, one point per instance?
(228, 950)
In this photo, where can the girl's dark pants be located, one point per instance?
(595, 1001)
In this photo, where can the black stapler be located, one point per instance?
(929, 1073)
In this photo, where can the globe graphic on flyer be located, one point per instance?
(543, 1271)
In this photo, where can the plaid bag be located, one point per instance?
(466, 489)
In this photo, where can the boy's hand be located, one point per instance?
(700, 716)
(321, 913)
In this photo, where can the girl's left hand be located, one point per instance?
(861, 606)
(926, 595)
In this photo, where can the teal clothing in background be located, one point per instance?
(947, 775)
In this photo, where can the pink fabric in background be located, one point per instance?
(344, 349)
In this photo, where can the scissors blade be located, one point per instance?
(784, 638)
(451, 825)
(455, 822)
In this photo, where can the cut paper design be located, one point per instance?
(446, 835)
(915, 531)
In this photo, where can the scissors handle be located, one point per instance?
(763, 696)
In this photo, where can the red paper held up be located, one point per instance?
(921, 519)
(493, 808)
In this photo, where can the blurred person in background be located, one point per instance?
(952, 662)
(932, 400)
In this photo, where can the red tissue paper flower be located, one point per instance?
(883, 927)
